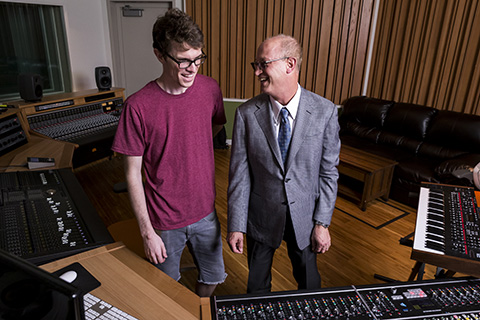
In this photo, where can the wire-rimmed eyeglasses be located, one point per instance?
(264, 64)
(185, 63)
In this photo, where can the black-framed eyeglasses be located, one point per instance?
(264, 64)
(185, 63)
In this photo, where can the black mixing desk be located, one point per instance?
(88, 119)
(91, 126)
(431, 299)
(46, 215)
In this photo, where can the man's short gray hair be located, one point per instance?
(290, 48)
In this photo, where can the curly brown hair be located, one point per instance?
(176, 26)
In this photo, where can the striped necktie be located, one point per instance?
(284, 133)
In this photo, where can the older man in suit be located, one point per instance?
(283, 175)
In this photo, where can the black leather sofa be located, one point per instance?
(429, 145)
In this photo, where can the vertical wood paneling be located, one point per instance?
(328, 31)
(333, 15)
(427, 52)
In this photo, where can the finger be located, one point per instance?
(236, 247)
(240, 246)
(152, 258)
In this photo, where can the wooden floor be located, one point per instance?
(358, 250)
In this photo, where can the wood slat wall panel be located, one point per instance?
(427, 52)
(333, 34)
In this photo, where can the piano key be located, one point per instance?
(435, 217)
(434, 205)
(435, 230)
(434, 210)
(436, 224)
(435, 237)
(437, 198)
(435, 246)
(435, 192)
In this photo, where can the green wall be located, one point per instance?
(230, 107)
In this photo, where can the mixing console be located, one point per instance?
(433, 299)
(76, 124)
(45, 215)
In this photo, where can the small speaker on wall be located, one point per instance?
(103, 78)
(30, 86)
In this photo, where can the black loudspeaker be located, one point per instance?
(30, 86)
(103, 78)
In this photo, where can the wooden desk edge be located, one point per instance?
(189, 301)
(39, 146)
(206, 312)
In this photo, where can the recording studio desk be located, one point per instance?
(135, 286)
(41, 147)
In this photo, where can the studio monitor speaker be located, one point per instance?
(103, 78)
(30, 86)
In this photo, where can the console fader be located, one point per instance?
(432, 299)
(45, 215)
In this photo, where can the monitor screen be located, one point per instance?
(29, 292)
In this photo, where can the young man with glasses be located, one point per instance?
(283, 175)
(167, 128)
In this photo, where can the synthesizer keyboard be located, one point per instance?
(46, 215)
(448, 221)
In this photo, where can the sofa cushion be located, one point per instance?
(410, 120)
(452, 134)
(417, 170)
(361, 131)
(369, 112)
(399, 142)
(405, 126)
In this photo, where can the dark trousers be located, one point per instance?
(260, 259)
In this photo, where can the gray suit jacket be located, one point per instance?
(260, 187)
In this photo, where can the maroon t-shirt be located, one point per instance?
(173, 133)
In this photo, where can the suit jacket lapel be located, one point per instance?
(265, 122)
(302, 123)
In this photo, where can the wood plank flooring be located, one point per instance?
(358, 250)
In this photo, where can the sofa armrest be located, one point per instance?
(456, 170)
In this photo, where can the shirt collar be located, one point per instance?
(292, 105)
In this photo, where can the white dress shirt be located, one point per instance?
(292, 107)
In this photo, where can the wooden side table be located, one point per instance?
(373, 171)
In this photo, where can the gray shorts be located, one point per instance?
(204, 240)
